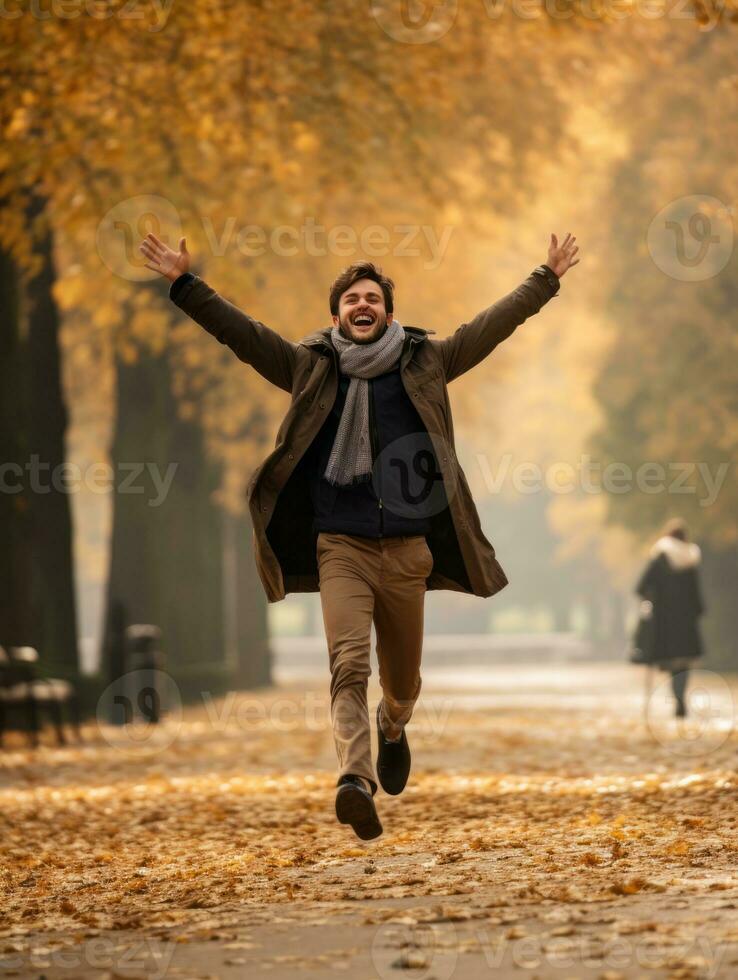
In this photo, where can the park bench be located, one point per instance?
(23, 690)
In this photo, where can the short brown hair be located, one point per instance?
(362, 270)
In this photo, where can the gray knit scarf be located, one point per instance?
(351, 456)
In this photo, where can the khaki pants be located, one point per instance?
(364, 580)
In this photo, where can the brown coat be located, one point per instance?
(277, 494)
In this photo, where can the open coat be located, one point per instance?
(278, 496)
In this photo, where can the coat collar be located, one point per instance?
(680, 554)
(322, 338)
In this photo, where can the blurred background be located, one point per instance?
(285, 141)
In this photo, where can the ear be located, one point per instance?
(389, 319)
(335, 321)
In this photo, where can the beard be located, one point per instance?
(362, 336)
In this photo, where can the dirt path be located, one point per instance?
(548, 831)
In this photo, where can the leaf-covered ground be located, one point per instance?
(549, 830)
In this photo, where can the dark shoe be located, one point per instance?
(356, 807)
(393, 761)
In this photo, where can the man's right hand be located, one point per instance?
(163, 259)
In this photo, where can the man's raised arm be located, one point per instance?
(474, 341)
(250, 340)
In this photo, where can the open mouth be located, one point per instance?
(363, 320)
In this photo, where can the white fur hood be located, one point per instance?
(680, 554)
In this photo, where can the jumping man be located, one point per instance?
(363, 498)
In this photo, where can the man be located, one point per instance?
(363, 498)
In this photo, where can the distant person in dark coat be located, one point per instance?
(670, 585)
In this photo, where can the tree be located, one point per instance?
(667, 389)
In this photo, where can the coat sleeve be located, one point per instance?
(251, 341)
(475, 340)
(648, 582)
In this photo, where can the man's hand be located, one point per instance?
(163, 259)
(561, 257)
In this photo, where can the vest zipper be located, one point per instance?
(373, 439)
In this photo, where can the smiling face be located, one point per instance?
(362, 315)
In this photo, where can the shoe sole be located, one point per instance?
(390, 788)
(355, 808)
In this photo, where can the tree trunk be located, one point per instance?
(53, 566)
(165, 563)
(254, 661)
(561, 612)
(16, 626)
(719, 582)
(194, 614)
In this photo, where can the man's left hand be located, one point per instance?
(561, 257)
